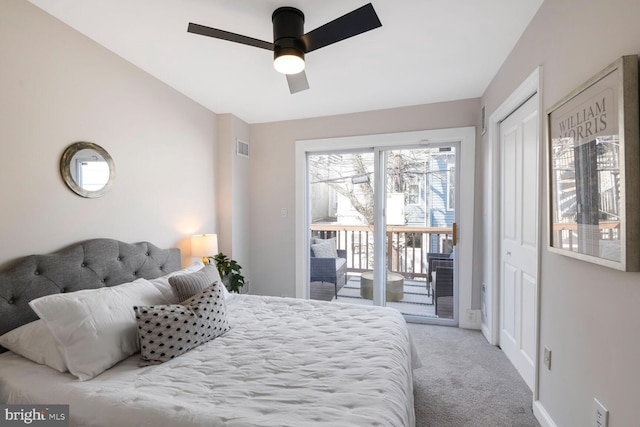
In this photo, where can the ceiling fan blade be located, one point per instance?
(349, 25)
(226, 35)
(297, 82)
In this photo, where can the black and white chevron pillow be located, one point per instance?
(167, 331)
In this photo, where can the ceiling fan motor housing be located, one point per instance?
(288, 26)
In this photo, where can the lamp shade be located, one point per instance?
(204, 245)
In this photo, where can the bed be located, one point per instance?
(277, 362)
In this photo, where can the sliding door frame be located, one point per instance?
(465, 136)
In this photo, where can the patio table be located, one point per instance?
(395, 286)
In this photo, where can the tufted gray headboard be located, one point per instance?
(86, 265)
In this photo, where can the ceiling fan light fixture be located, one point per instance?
(288, 48)
(290, 43)
(289, 63)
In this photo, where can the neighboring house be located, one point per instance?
(427, 199)
(441, 190)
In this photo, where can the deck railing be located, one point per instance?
(407, 247)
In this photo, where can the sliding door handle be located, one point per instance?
(455, 234)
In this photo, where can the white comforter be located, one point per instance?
(285, 362)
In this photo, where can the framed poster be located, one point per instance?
(594, 170)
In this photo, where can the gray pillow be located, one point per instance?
(167, 331)
(187, 285)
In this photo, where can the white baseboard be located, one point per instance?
(465, 324)
(542, 416)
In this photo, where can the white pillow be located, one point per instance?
(333, 241)
(333, 247)
(96, 328)
(34, 342)
(324, 250)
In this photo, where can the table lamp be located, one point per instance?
(204, 246)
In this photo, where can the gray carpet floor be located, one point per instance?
(465, 381)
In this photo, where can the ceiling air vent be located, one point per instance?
(242, 148)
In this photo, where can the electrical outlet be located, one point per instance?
(547, 357)
(284, 212)
(600, 414)
(472, 315)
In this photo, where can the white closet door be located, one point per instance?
(519, 237)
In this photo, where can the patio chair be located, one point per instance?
(443, 290)
(433, 258)
(330, 270)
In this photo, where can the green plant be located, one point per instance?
(229, 272)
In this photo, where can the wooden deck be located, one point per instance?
(415, 302)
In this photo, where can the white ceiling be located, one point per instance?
(426, 51)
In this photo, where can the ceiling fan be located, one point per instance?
(290, 44)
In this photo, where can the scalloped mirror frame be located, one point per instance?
(66, 164)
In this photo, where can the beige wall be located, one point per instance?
(588, 313)
(59, 87)
(232, 183)
(273, 177)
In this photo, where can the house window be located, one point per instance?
(451, 188)
(413, 194)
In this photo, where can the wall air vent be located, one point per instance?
(242, 148)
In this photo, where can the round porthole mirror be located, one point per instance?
(87, 169)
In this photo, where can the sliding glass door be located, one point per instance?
(388, 215)
(419, 213)
(341, 210)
